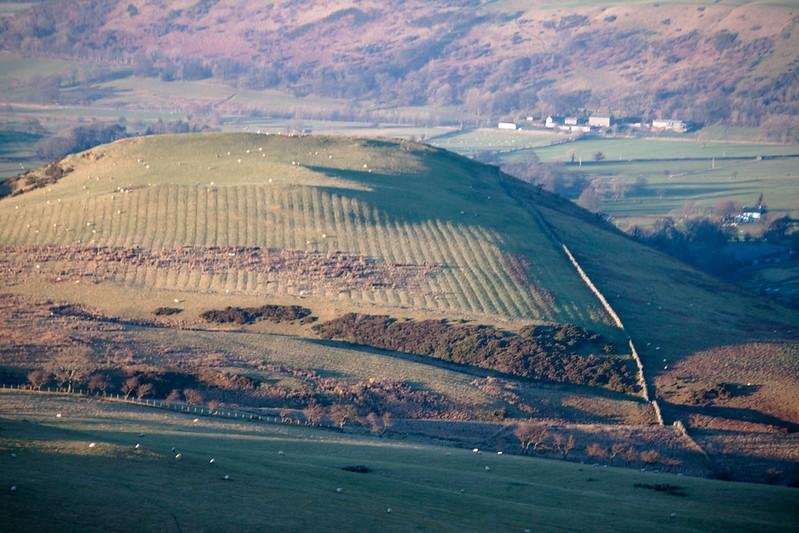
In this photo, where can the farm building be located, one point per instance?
(507, 126)
(599, 122)
(553, 121)
(570, 121)
(669, 125)
(750, 215)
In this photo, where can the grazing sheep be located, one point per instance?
(212, 461)
(476, 450)
(499, 453)
(137, 446)
(178, 456)
(92, 445)
(13, 488)
(196, 420)
(174, 449)
(388, 510)
(339, 489)
(281, 452)
(488, 468)
(226, 477)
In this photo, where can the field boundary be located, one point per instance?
(178, 407)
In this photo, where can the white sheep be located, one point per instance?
(212, 461)
(476, 450)
(92, 444)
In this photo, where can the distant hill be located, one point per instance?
(731, 62)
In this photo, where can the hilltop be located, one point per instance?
(420, 258)
(730, 62)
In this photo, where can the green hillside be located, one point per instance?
(292, 478)
(402, 205)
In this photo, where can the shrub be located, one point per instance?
(540, 352)
(167, 311)
(249, 315)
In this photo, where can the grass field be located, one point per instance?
(654, 189)
(471, 142)
(616, 149)
(290, 478)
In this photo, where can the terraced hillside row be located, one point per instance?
(465, 265)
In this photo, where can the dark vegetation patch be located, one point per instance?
(563, 353)
(360, 469)
(667, 488)
(250, 315)
(34, 179)
(316, 270)
(167, 311)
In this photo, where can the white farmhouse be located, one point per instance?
(669, 125)
(553, 122)
(599, 122)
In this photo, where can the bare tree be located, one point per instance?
(38, 378)
(596, 450)
(564, 444)
(174, 396)
(143, 390)
(193, 396)
(589, 199)
(616, 449)
(650, 456)
(388, 421)
(314, 413)
(530, 434)
(72, 367)
(340, 414)
(98, 382)
(130, 385)
(375, 423)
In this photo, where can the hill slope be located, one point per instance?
(368, 226)
(371, 223)
(292, 478)
(716, 61)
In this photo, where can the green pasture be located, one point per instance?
(291, 478)
(625, 149)
(471, 142)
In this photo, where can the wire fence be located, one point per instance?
(179, 407)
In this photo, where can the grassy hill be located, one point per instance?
(292, 478)
(438, 234)
(705, 61)
(318, 196)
